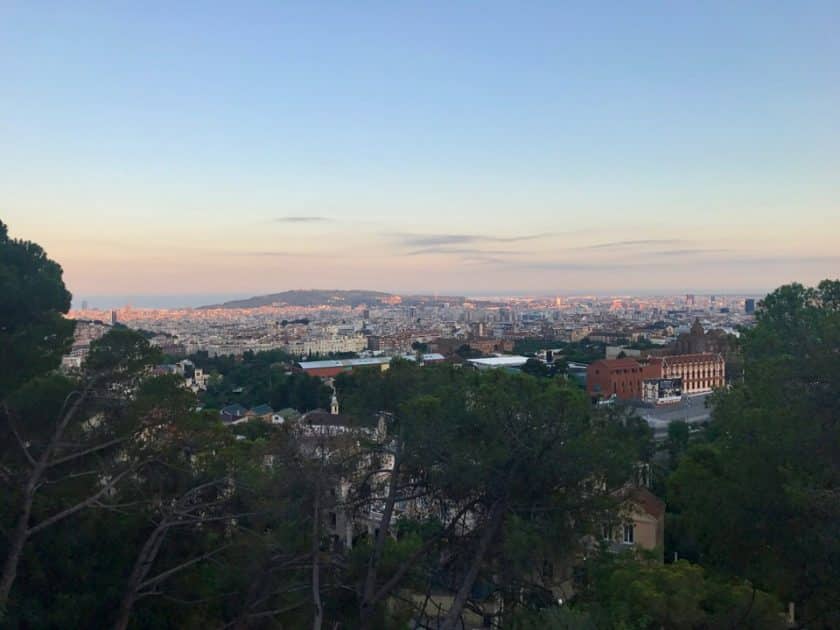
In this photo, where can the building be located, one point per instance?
(498, 362)
(749, 306)
(262, 412)
(333, 367)
(485, 345)
(285, 415)
(699, 373)
(626, 378)
(232, 414)
(698, 341)
(329, 345)
(621, 378)
(641, 522)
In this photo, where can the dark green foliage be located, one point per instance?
(121, 351)
(465, 352)
(260, 378)
(33, 300)
(523, 450)
(679, 434)
(584, 351)
(535, 367)
(533, 345)
(760, 500)
(623, 592)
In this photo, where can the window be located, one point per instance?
(606, 532)
(629, 534)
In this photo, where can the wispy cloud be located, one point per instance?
(303, 219)
(688, 252)
(265, 254)
(438, 240)
(733, 262)
(638, 243)
(484, 260)
(459, 251)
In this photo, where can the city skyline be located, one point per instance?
(423, 148)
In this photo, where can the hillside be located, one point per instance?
(336, 297)
(311, 297)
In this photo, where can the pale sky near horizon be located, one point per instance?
(479, 148)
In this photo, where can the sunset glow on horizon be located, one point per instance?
(423, 148)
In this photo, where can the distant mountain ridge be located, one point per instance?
(308, 297)
(335, 297)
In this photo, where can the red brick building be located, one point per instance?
(621, 377)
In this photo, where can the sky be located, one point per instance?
(185, 148)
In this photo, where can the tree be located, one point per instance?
(33, 300)
(626, 592)
(542, 465)
(507, 470)
(771, 469)
(535, 367)
(63, 460)
(676, 443)
(420, 346)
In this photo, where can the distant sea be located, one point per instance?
(192, 300)
(155, 301)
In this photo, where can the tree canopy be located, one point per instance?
(34, 333)
(771, 469)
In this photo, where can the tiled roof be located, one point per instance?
(319, 417)
(617, 363)
(691, 358)
(648, 501)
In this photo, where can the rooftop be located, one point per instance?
(618, 363)
(339, 363)
(648, 501)
(501, 361)
(351, 363)
(691, 358)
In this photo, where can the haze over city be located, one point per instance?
(430, 147)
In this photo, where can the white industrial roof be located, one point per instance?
(501, 361)
(334, 363)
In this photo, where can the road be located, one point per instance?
(691, 409)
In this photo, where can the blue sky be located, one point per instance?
(470, 147)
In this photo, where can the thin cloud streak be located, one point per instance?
(437, 240)
(733, 262)
(687, 252)
(483, 260)
(653, 241)
(303, 219)
(459, 251)
(248, 254)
